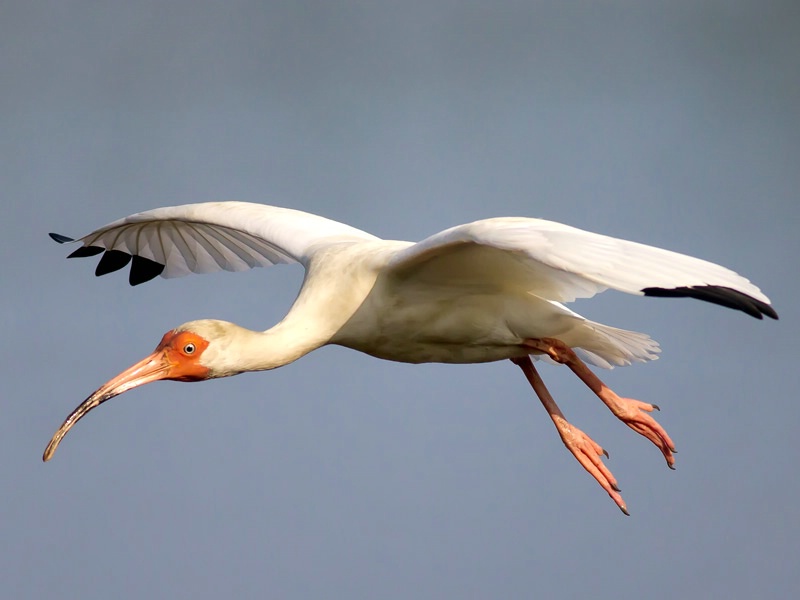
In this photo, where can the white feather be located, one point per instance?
(471, 293)
(559, 262)
(212, 236)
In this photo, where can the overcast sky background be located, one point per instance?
(341, 476)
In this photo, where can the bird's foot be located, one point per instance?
(631, 412)
(588, 453)
(634, 414)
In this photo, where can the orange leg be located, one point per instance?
(631, 412)
(584, 448)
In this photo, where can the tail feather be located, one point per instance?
(607, 347)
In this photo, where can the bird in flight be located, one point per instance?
(485, 291)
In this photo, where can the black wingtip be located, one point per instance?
(85, 251)
(112, 260)
(61, 239)
(143, 270)
(717, 294)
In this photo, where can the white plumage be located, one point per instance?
(563, 263)
(483, 291)
(208, 237)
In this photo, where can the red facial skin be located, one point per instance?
(183, 365)
(177, 357)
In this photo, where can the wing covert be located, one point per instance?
(208, 237)
(561, 263)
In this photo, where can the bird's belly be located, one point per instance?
(464, 329)
(419, 351)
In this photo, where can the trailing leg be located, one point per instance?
(584, 448)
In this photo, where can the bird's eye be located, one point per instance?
(189, 348)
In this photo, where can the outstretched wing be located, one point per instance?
(561, 263)
(207, 237)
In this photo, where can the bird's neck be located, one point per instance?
(280, 345)
(245, 350)
(331, 293)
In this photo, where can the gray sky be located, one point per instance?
(341, 476)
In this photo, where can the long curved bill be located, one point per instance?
(154, 367)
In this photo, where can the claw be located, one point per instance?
(656, 407)
(606, 453)
(624, 510)
(635, 415)
(589, 455)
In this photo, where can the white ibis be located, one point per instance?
(484, 291)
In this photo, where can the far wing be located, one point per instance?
(207, 237)
(561, 263)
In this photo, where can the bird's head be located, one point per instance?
(190, 352)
